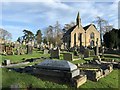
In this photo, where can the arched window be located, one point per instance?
(92, 35)
(80, 38)
(75, 39)
(92, 43)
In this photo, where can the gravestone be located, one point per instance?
(102, 51)
(97, 48)
(55, 53)
(9, 50)
(2, 48)
(14, 87)
(86, 53)
(46, 51)
(29, 49)
(62, 47)
(68, 56)
(82, 49)
(51, 46)
(6, 62)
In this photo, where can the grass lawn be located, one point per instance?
(110, 81)
(24, 80)
(19, 58)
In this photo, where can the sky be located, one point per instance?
(34, 14)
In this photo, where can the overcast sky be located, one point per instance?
(17, 16)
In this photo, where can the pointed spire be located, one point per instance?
(78, 20)
(78, 16)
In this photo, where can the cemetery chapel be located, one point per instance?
(81, 36)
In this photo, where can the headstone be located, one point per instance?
(51, 46)
(86, 53)
(46, 51)
(97, 48)
(6, 62)
(55, 53)
(62, 47)
(14, 87)
(68, 56)
(102, 51)
(9, 50)
(29, 49)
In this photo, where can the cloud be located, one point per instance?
(38, 15)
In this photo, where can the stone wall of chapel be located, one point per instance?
(96, 35)
(78, 31)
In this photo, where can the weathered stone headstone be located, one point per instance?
(86, 53)
(14, 87)
(6, 62)
(102, 51)
(29, 49)
(51, 46)
(62, 47)
(97, 48)
(46, 51)
(9, 50)
(68, 56)
(55, 53)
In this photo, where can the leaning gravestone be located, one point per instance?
(29, 49)
(55, 53)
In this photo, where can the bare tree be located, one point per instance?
(58, 34)
(103, 26)
(53, 34)
(5, 35)
(68, 26)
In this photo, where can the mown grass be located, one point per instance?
(110, 81)
(20, 58)
(24, 80)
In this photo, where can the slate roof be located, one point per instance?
(70, 30)
(86, 27)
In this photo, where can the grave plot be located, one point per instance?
(55, 53)
(115, 63)
(95, 69)
(70, 57)
(60, 70)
